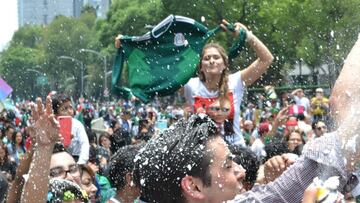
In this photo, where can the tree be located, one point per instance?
(64, 37)
(129, 17)
(15, 62)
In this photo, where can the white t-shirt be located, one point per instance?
(303, 101)
(196, 92)
(79, 145)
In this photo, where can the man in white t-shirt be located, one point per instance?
(79, 146)
(301, 100)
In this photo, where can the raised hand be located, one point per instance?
(117, 41)
(237, 27)
(275, 166)
(46, 127)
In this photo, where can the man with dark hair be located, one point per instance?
(118, 139)
(121, 174)
(79, 146)
(188, 163)
(191, 163)
(9, 131)
(245, 157)
(63, 165)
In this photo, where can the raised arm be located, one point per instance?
(47, 133)
(347, 85)
(117, 41)
(253, 72)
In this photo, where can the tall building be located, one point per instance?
(101, 6)
(42, 12)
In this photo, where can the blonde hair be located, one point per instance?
(223, 83)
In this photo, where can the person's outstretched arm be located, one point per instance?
(253, 72)
(47, 133)
(347, 85)
(336, 153)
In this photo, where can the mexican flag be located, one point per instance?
(163, 59)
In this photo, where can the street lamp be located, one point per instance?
(82, 70)
(103, 57)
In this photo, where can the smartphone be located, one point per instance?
(65, 129)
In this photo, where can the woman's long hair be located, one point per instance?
(13, 141)
(223, 83)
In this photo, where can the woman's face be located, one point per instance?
(248, 126)
(212, 62)
(105, 142)
(18, 138)
(218, 113)
(87, 184)
(294, 140)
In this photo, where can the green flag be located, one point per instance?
(164, 59)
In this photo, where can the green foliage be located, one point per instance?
(16, 62)
(129, 17)
(28, 36)
(88, 9)
(313, 31)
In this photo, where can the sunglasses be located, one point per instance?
(216, 108)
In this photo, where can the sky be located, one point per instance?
(8, 21)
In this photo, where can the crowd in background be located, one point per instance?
(272, 126)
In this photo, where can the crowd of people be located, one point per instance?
(210, 148)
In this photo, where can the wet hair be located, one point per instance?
(247, 159)
(276, 148)
(121, 163)
(120, 138)
(58, 188)
(59, 147)
(58, 100)
(179, 151)
(223, 84)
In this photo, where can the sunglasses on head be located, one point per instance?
(216, 108)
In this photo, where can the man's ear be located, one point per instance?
(192, 188)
